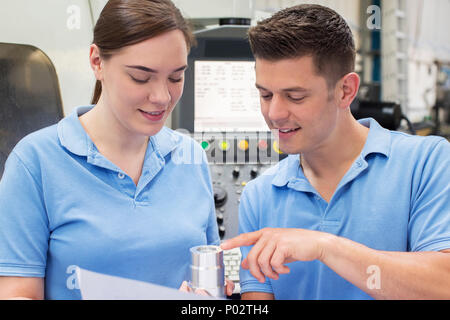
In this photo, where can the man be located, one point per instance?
(355, 211)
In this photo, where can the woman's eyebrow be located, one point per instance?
(146, 69)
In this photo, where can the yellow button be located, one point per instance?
(243, 145)
(276, 148)
(244, 183)
(224, 145)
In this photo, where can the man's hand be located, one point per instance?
(273, 248)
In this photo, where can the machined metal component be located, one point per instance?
(207, 270)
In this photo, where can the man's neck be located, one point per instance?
(337, 154)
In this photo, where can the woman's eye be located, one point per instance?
(140, 80)
(175, 80)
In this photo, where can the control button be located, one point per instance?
(220, 196)
(205, 145)
(262, 145)
(254, 172)
(276, 148)
(221, 231)
(121, 175)
(243, 145)
(224, 145)
(219, 218)
(236, 172)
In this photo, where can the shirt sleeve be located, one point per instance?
(429, 226)
(24, 231)
(248, 222)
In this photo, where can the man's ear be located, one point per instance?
(348, 88)
(96, 62)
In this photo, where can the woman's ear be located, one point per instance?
(348, 87)
(96, 62)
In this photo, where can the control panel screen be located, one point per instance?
(225, 97)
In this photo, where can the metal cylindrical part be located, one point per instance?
(207, 270)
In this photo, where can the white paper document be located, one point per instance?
(97, 286)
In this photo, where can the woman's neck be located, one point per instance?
(108, 133)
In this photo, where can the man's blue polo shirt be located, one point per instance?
(395, 197)
(63, 205)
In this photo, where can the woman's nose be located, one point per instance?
(159, 94)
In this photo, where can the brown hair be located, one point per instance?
(307, 30)
(126, 22)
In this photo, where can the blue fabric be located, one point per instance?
(395, 197)
(63, 205)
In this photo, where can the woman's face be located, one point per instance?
(142, 83)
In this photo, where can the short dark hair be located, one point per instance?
(307, 30)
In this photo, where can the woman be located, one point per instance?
(101, 190)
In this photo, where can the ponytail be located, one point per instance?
(97, 92)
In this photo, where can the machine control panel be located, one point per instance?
(234, 160)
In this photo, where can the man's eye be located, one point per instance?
(296, 99)
(266, 96)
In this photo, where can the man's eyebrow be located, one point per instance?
(295, 89)
(292, 89)
(260, 87)
(146, 69)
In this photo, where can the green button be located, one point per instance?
(205, 145)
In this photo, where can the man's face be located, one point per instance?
(296, 103)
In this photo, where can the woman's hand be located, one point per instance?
(229, 287)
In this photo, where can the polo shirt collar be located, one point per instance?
(74, 138)
(165, 141)
(71, 133)
(287, 170)
(378, 141)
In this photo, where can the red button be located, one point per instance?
(262, 144)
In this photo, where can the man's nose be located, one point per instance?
(278, 111)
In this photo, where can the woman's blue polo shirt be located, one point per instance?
(63, 205)
(395, 197)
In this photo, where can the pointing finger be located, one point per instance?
(242, 240)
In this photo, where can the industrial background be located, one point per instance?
(403, 50)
